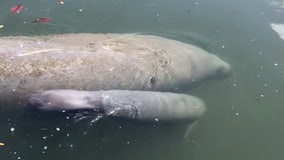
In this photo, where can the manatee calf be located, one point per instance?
(101, 62)
(137, 105)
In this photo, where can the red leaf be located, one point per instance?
(42, 20)
(17, 9)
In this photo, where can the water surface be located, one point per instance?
(245, 113)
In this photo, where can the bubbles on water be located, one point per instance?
(12, 129)
(234, 108)
(260, 96)
(44, 148)
(234, 81)
(265, 85)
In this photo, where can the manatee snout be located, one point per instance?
(224, 70)
(221, 69)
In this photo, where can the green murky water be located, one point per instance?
(245, 112)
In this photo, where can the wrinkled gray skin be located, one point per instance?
(101, 62)
(137, 105)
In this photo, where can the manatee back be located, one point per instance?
(98, 62)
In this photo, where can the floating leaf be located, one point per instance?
(17, 9)
(42, 20)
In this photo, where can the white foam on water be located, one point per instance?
(277, 3)
(278, 28)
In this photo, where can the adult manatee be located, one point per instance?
(101, 62)
(137, 105)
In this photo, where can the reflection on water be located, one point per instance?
(244, 118)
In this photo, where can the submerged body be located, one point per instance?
(137, 105)
(101, 62)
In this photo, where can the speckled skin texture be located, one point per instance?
(101, 62)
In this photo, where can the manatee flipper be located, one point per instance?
(137, 105)
(189, 129)
(87, 115)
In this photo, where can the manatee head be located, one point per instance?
(207, 67)
(60, 101)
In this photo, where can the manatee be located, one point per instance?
(136, 105)
(94, 62)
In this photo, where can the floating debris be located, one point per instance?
(2, 144)
(17, 9)
(37, 52)
(1, 26)
(43, 20)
